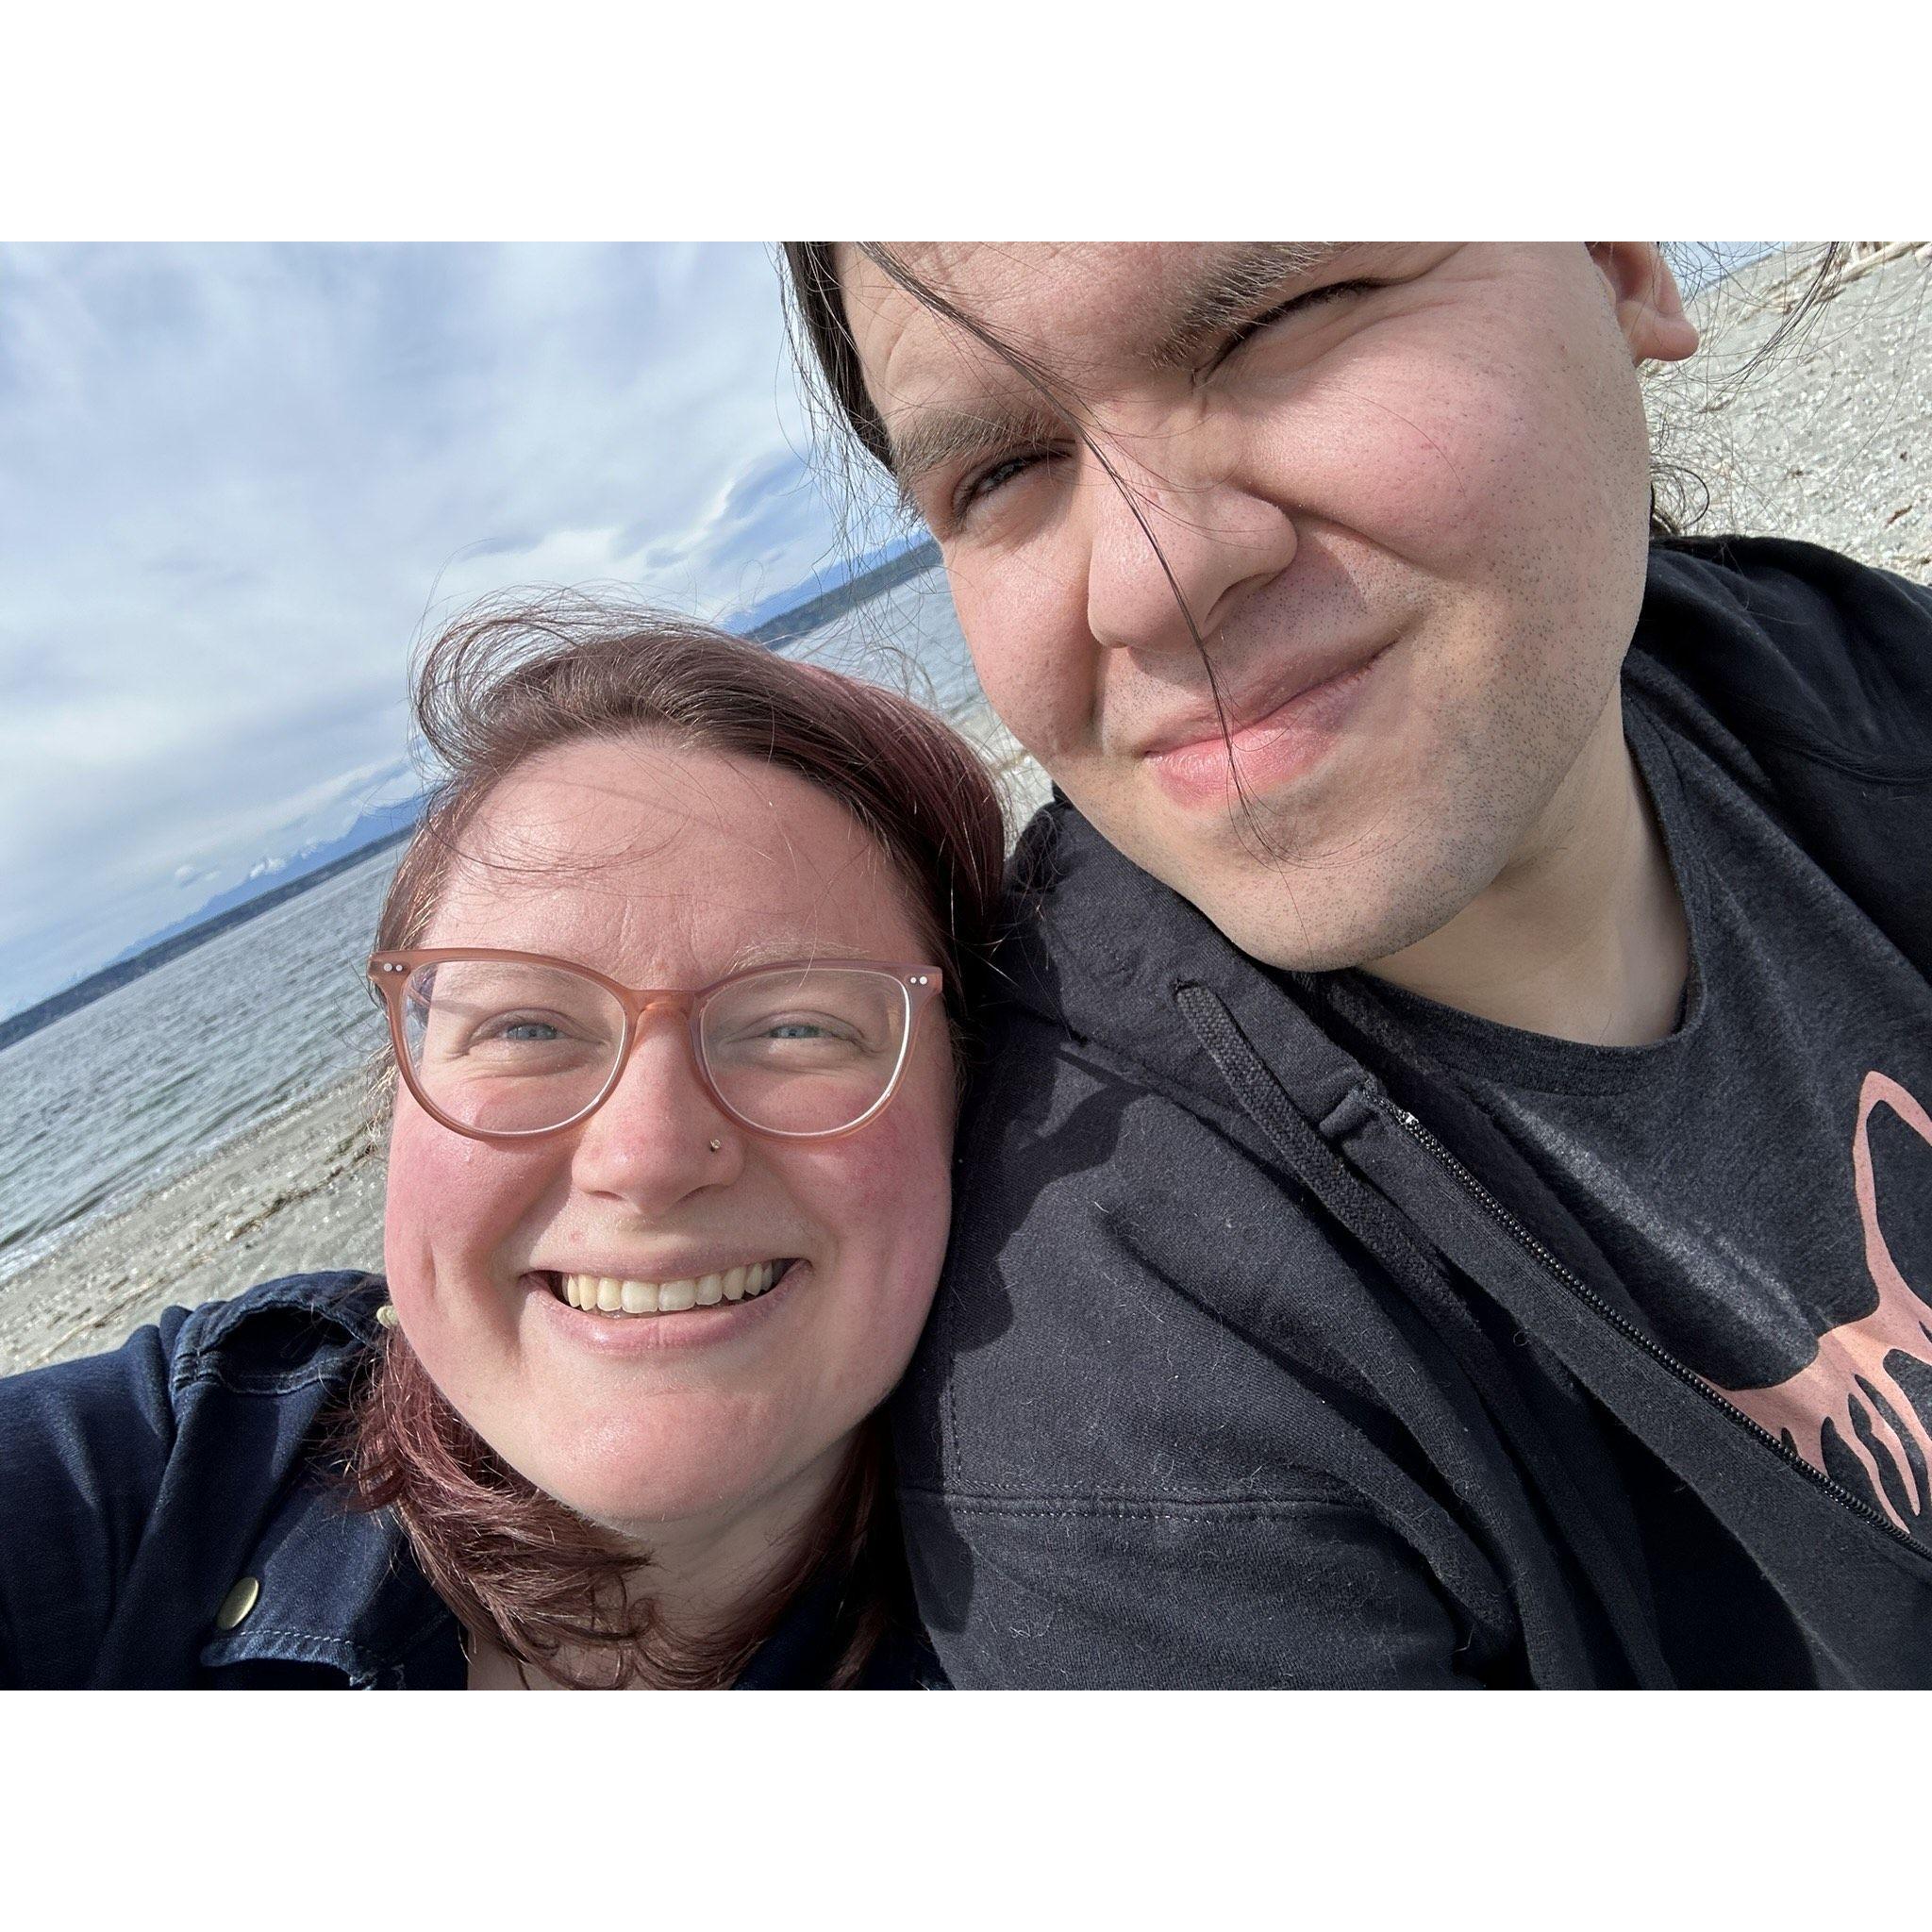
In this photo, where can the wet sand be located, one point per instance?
(1832, 442)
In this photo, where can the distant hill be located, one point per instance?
(372, 830)
(386, 826)
(781, 619)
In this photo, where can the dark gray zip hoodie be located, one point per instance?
(1255, 1366)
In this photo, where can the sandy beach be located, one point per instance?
(1831, 442)
(301, 1192)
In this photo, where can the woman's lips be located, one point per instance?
(1272, 750)
(616, 1333)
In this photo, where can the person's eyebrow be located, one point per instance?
(1228, 288)
(789, 949)
(929, 440)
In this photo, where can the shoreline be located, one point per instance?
(300, 1192)
(1831, 442)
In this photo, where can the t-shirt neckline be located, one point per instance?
(1514, 1055)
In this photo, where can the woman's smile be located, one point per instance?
(612, 1295)
(609, 1315)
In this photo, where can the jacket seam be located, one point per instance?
(1002, 1081)
(1073, 1509)
(1031, 1502)
(307, 1379)
(196, 1358)
(1895, 776)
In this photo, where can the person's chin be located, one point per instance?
(641, 1497)
(1301, 914)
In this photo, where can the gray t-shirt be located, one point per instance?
(1761, 1179)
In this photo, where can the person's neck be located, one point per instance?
(1582, 935)
(701, 1574)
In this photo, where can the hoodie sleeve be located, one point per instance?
(1126, 1460)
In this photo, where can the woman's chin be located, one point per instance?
(644, 1499)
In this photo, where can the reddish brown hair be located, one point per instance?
(503, 683)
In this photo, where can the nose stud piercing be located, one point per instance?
(716, 1145)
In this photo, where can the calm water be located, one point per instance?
(119, 1098)
(908, 639)
(122, 1095)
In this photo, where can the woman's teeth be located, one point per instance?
(609, 1296)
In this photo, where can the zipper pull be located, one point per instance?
(1383, 1103)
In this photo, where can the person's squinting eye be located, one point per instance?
(1296, 305)
(979, 487)
(518, 1039)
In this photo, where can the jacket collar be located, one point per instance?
(340, 1586)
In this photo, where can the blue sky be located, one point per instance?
(234, 480)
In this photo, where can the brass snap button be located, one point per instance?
(238, 1603)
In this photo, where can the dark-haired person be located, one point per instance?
(676, 968)
(1450, 1201)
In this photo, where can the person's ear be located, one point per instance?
(1643, 292)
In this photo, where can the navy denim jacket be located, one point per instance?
(148, 1494)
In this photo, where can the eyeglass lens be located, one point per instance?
(509, 1047)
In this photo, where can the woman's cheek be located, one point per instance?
(888, 1191)
(406, 1221)
(452, 1203)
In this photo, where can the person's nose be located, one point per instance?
(651, 1144)
(1218, 540)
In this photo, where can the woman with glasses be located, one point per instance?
(675, 972)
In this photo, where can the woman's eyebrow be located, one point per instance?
(1227, 287)
(786, 949)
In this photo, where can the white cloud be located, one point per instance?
(235, 481)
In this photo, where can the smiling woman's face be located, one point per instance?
(668, 869)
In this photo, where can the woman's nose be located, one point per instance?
(659, 1135)
(1218, 540)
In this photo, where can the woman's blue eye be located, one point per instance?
(527, 1030)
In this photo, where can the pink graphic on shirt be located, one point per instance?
(1851, 1358)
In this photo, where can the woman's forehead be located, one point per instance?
(610, 843)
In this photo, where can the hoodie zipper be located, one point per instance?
(1590, 1299)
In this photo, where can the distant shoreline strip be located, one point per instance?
(95, 986)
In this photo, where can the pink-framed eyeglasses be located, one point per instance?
(508, 1046)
